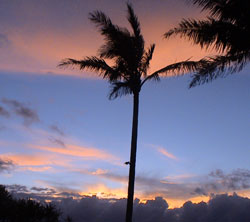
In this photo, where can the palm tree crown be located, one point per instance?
(128, 72)
(226, 29)
(130, 58)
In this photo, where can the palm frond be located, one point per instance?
(131, 48)
(229, 10)
(148, 55)
(219, 66)
(207, 33)
(227, 30)
(103, 22)
(176, 69)
(137, 36)
(211, 5)
(114, 35)
(119, 89)
(113, 47)
(91, 63)
(133, 20)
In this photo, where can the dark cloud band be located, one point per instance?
(220, 208)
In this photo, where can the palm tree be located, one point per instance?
(128, 73)
(226, 29)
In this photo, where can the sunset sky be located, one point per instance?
(58, 130)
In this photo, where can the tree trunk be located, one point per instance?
(131, 182)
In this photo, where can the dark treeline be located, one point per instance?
(25, 210)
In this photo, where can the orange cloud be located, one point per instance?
(103, 191)
(36, 169)
(80, 151)
(34, 161)
(99, 172)
(164, 152)
(179, 177)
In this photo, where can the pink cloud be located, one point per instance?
(164, 152)
(36, 162)
(82, 152)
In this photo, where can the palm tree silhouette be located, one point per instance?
(128, 72)
(227, 30)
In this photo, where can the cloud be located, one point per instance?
(200, 191)
(179, 188)
(101, 190)
(164, 152)
(57, 129)
(36, 168)
(82, 152)
(237, 180)
(94, 209)
(4, 112)
(41, 194)
(57, 141)
(6, 164)
(99, 172)
(36, 162)
(220, 207)
(165, 188)
(39, 189)
(29, 115)
(218, 181)
(180, 177)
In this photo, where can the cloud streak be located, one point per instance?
(57, 129)
(38, 162)
(29, 115)
(4, 112)
(57, 141)
(81, 152)
(6, 165)
(165, 153)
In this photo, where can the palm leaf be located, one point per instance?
(219, 66)
(114, 35)
(91, 63)
(207, 33)
(176, 69)
(230, 10)
(148, 55)
(138, 40)
(134, 22)
(119, 89)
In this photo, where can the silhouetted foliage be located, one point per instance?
(20, 210)
(128, 73)
(226, 29)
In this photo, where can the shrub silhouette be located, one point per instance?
(21, 210)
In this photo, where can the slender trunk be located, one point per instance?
(131, 182)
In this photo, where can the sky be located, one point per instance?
(60, 132)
